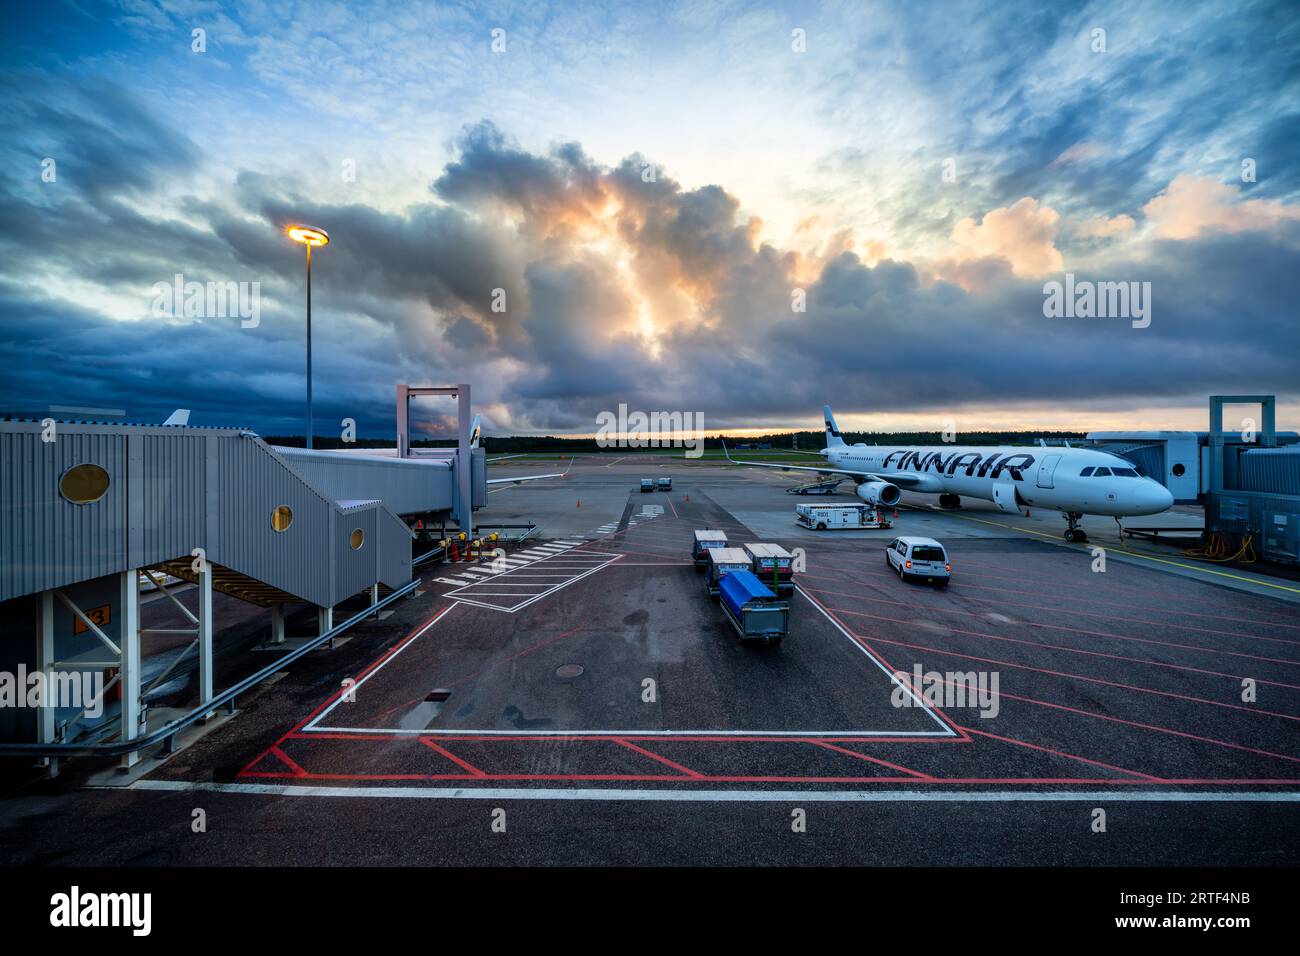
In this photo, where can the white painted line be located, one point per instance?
(879, 663)
(723, 796)
(817, 734)
(409, 641)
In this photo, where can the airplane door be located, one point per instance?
(1046, 469)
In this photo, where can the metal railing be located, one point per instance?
(166, 734)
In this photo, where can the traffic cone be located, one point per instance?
(895, 514)
(688, 498)
(579, 502)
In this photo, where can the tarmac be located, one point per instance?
(588, 687)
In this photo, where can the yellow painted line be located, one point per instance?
(1144, 557)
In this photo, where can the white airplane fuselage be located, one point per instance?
(1012, 476)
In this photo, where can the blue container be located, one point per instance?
(740, 587)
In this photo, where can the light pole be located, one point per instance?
(308, 236)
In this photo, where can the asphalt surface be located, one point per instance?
(614, 718)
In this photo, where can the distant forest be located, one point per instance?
(784, 441)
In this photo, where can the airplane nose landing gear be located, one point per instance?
(949, 501)
(1074, 533)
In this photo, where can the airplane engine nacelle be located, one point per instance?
(879, 493)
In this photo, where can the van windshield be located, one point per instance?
(927, 553)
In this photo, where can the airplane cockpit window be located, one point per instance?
(1101, 473)
(1087, 471)
(1125, 472)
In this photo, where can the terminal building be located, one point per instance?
(1247, 477)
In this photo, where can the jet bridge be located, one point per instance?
(88, 508)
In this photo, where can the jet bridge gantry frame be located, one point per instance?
(464, 503)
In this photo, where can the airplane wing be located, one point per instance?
(504, 458)
(902, 478)
(522, 478)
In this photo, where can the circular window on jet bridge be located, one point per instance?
(281, 518)
(1178, 470)
(84, 484)
(357, 539)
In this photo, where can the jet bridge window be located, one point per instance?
(281, 518)
(84, 484)
(1087, 471)
(357, 539)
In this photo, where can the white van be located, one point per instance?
(919, 559)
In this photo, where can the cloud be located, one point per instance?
(1192, 205)
(1023, 234)
(618, 288)
(1103, 227)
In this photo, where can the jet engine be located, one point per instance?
(879, 493)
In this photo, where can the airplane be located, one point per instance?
(1073, 481)
(476, 434)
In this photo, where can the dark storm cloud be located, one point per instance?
(407, 296)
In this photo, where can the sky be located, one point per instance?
(740, 210)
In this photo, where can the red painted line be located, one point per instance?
(334, 696)
(1091, 680)
(1120, 720)
(1062, 753)
(1176, 602)
(475, 771)
(1174, 597)
(1078, 650)
(654, 756)
(876, 599)
(883, 763)
(298, 771)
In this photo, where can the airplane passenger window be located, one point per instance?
(1101, 473)
(1086, 472)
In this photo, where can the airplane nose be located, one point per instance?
(1153, 497)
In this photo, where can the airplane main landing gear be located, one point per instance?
(1074, 533)
(949, 501)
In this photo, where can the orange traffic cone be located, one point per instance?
(895, 513)
(579, 502)
(688, 497)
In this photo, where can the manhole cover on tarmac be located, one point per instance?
(568, 671)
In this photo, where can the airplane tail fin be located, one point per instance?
(179, 417)
(832, 430)
(475, 433)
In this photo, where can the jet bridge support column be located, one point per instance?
(129, 636)
(45, 660)
(464, 466)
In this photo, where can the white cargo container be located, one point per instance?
(723, 561)
(704, 540)
(825, 517)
